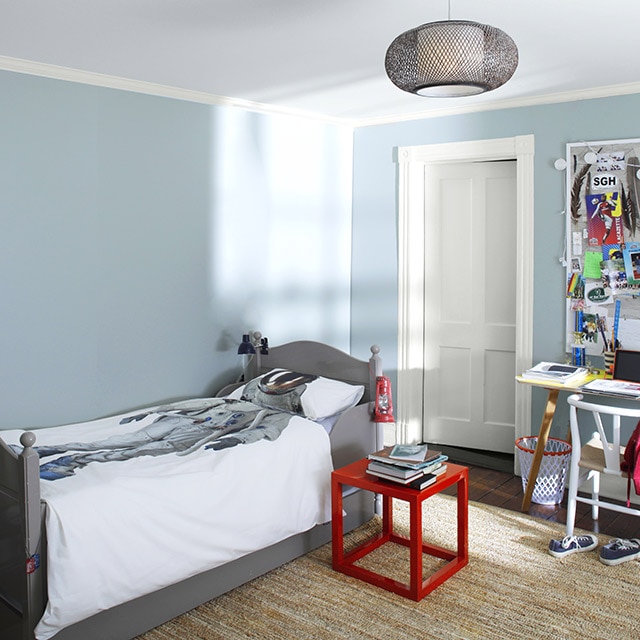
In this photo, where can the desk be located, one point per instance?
(553, 390)
(355, 475)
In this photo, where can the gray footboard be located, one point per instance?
(22, 549)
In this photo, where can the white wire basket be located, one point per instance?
(552, 476)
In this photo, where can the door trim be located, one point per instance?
(411, 171)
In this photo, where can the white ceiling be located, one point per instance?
(323, 57)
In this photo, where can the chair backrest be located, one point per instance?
(607, 421)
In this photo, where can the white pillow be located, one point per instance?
(314, 397)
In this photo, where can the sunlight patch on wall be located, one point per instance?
(281, 225)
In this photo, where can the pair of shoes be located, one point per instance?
(615, 552)
(572, 544)
(620, 550)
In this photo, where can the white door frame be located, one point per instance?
(411, 295)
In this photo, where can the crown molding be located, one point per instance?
(138, 86)
(509, 103)
(149, 88)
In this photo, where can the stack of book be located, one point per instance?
(413, 465)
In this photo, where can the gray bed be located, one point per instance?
(23, 549)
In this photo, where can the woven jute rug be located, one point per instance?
(511, 589)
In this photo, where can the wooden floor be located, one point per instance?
(503, 489)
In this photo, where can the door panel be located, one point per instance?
(470, 305)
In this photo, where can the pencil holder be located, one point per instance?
(609, 357)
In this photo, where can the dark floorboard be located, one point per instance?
(504, 489)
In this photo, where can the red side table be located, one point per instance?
(354, 475)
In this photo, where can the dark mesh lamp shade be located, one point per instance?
(451, 58)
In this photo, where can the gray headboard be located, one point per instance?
(320, 359)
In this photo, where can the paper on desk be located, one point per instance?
(613, 387)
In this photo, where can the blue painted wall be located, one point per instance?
(140, 236)
(375, 258)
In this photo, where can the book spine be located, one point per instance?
(424, 482)
(402, 472)
(390, 470)
(384, 476)
(406, 465)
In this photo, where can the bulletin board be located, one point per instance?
(603, 245)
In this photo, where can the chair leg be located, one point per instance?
(595, 493)
(572, 492)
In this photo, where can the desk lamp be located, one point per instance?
(251, 348)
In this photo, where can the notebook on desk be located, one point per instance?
(625, 381)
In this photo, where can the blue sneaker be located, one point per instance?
(620, 550)
(572, 544)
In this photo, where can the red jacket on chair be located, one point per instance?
(631, 462)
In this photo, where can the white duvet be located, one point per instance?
(119, 530)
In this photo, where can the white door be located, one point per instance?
(470, 305)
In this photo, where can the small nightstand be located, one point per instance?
(355, 475)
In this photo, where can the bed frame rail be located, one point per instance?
(22, 552)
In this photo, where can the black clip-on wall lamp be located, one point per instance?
(251, 348)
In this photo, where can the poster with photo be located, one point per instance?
(604, 219)
(631, 256)
(614, 276)
(589, 328)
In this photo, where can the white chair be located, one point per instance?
(601, 454)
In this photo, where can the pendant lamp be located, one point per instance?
(451, 58)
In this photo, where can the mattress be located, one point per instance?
(120, 529)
